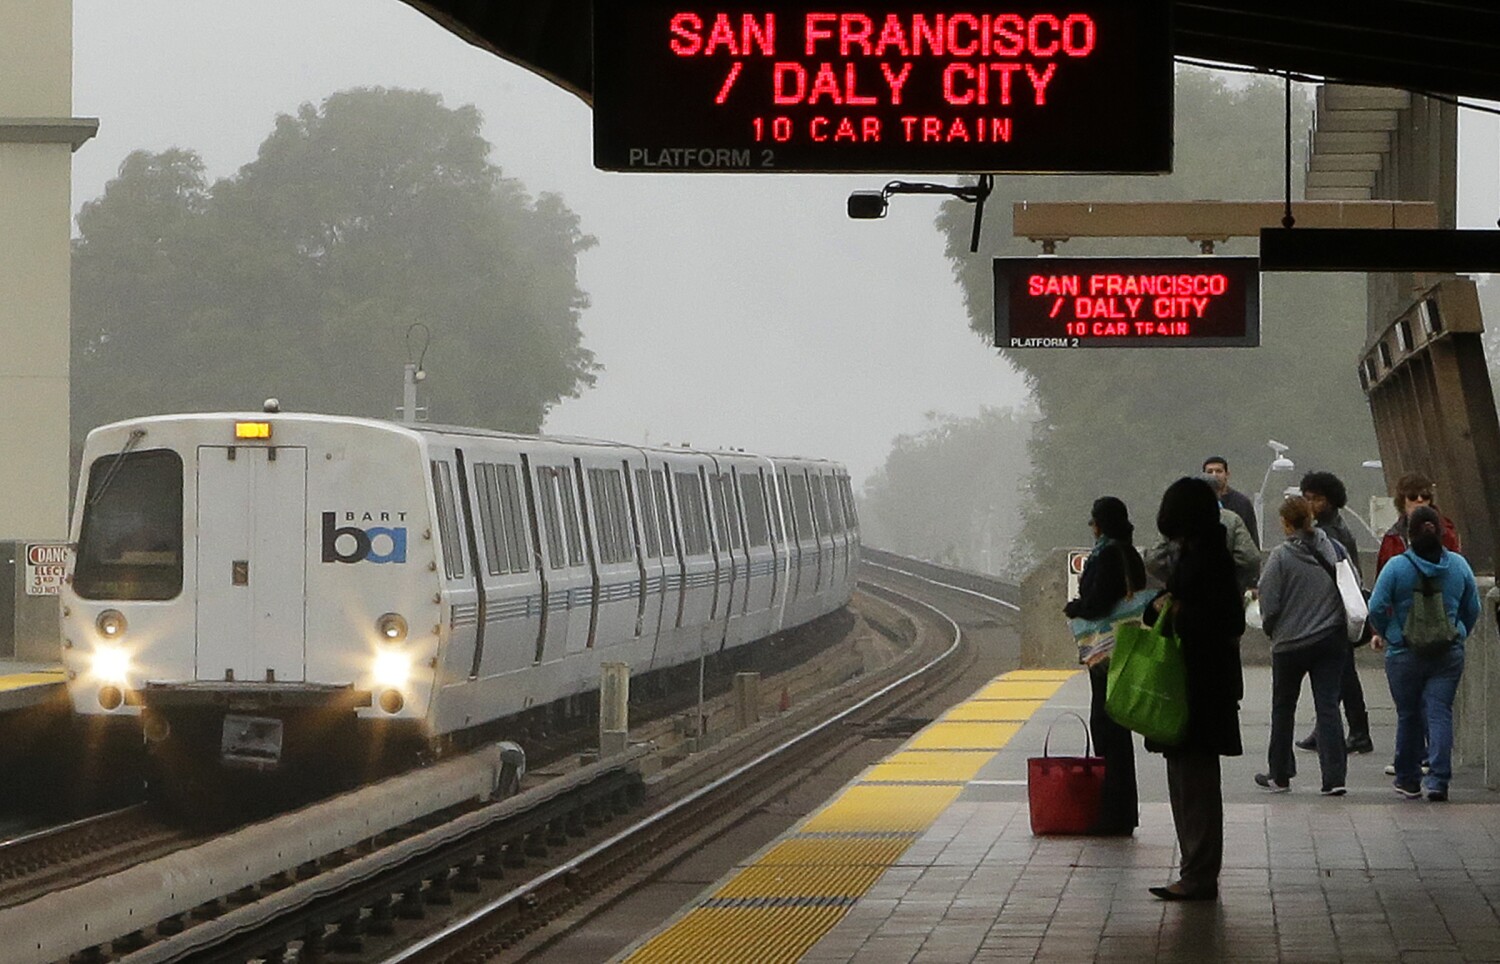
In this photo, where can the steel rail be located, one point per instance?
(946, 585)
(574, 865)
(62, 828)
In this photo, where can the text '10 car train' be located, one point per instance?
(238, 578)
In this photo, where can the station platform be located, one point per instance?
(928, 856)
(26, 684)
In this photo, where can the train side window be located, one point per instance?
(819, 503)
(721, 523)
(835, 509)
(731, 508)
(650, 532)
(851, 517)
(694, 521)
(663, 512)
(442, 486)
(755, 509)
(789, 517)
(570, 517)
(546, 485)
(517, 540)
(494, 542)
(801, 514)
(611, 516)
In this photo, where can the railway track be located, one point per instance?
(35, 863)
(550, 856)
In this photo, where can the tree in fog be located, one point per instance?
(1126, 422)
(300, 275)
(950, 493)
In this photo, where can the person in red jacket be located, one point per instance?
(1413, 490)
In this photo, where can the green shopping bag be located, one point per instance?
(1147, 688)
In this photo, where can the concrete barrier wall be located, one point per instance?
(1476, 712)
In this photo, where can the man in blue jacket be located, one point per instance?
(1423, 687)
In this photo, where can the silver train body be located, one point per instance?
(249, 567)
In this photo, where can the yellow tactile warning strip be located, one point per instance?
(778, 907)
(19, 681)
(929, 766)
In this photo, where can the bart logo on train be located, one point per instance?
(392, 549)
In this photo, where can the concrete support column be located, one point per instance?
(746, 700)
(614, 709)
(37, 138)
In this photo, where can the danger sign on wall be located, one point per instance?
(1076, 559)
(45, 564)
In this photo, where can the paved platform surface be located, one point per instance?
(24, 684)
(1366, 877)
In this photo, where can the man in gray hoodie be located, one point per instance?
(1303, 615)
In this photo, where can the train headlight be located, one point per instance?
(111, 664)
(392, 669)
(391, 626)
(111, 624)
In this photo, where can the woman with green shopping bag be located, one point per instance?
(1205, 613)
(1109, 592)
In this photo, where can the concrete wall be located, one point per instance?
(1476, 712)
(37, 137)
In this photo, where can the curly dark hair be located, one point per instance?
(1329, 486)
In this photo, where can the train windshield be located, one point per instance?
(130, 542)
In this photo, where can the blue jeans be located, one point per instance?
(1423, 690)
(1323, 662)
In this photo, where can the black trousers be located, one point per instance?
(1198, 813)
(1119, 808)
(1352, 694)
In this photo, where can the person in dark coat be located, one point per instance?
(1109, 590)
(1217, 468)
(1208, 617)
(1326, 495)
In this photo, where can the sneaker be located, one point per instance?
(1360, 744)
(1426, 768)
(1334, 791)
(1309, 742)
(1390, 769)
(1437, 796)
(1408, 790)
(1264, 781)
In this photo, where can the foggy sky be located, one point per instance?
(728, 310)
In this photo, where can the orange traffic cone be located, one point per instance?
(785, 703)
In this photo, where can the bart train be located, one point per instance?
(236, 577)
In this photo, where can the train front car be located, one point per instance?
(253, 588)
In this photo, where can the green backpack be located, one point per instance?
(1427, 630)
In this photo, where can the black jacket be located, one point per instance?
(1108, 576)
(1209, 617)
(1239, 503)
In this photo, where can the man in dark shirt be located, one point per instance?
(1237, 502)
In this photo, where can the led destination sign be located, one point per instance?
(1053, 86)
(1203, 302)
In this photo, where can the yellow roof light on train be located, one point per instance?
(252, 429)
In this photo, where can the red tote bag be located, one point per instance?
(1064, 790)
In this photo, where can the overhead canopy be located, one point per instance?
(1434, 46)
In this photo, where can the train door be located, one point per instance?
(787, 522)
(654, 554)
(252, 563)
(460, 582)
(828, 499)
(727, 538)
(760, 586)
(571, 586)
(819, 499)
(674, 575)
(513, 612)
(617, 598)
(807, 539)
(699, 572)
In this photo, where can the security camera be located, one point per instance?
(867, 205)
(1277, 447)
